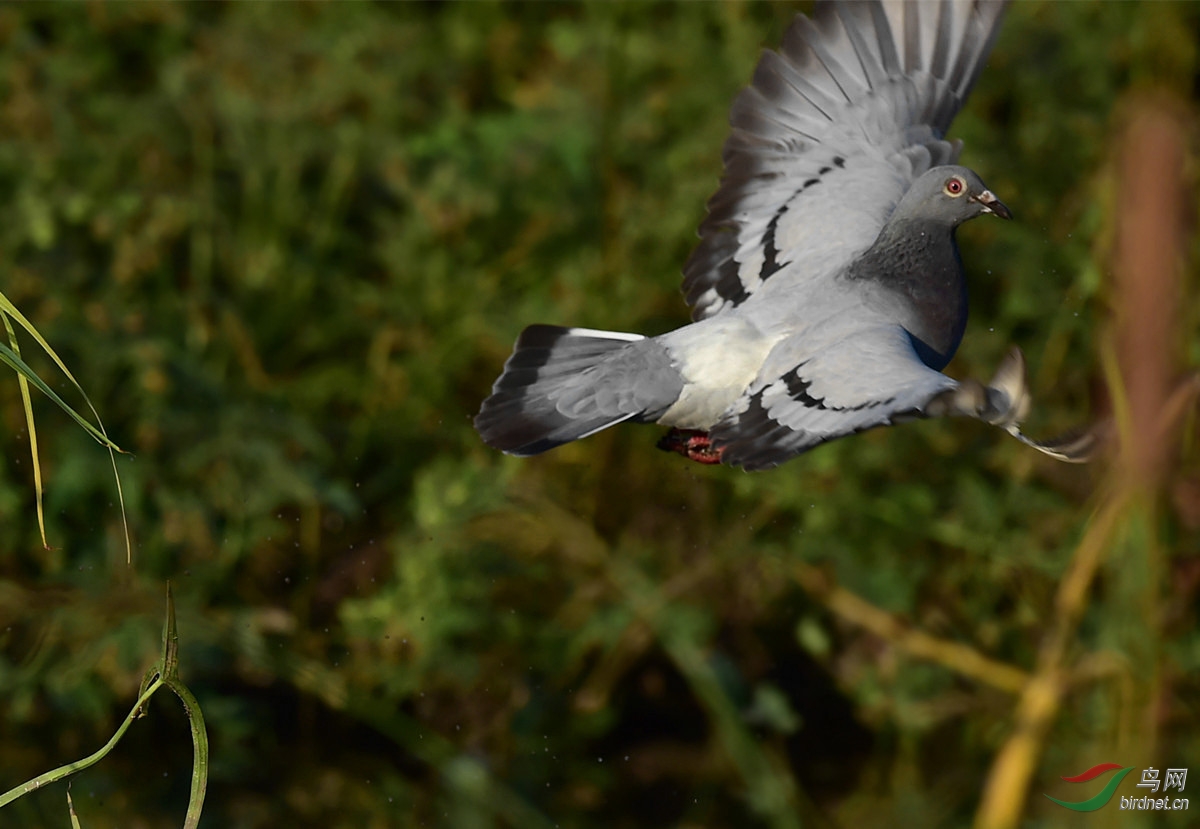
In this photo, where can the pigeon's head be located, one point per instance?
(950, 194)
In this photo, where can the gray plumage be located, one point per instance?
(562, 384)
(827, 291)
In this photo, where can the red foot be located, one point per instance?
(691, 444)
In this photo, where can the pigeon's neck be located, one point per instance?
(915, 267)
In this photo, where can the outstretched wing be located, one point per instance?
(831, 133)
(804, 398)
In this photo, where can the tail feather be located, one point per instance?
(522, 416)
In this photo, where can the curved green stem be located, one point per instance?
(199, 751)
(79, 765)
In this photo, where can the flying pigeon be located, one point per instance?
(827, 292)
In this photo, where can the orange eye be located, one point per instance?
(955, 187)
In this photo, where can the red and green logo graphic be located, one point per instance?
(1104, 795)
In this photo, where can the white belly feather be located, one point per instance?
(718, 358)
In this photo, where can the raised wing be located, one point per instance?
(831, 133)
(872, 377)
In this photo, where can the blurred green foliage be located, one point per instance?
(286, 249)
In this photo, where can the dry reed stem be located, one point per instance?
(1150, 233)
(1013, 768)
(959, 658)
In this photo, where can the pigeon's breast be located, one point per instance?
(937, 321)
(934, 319)
(920, 285)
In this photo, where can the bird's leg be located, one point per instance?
(691, 443)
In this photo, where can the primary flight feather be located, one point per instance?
(827, 291)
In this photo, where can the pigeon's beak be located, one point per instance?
(992, 205)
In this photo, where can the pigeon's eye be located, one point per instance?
(955, 187)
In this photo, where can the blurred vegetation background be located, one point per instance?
(286, 249)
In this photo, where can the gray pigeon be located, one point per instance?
(827, 291)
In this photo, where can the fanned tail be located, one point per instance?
(534, 405)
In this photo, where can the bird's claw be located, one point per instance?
(692, 444)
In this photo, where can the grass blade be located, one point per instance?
(11, 355)
(14, 361)
(27, 403)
